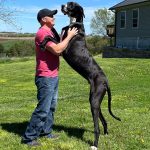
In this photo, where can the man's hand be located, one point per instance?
(72, 32)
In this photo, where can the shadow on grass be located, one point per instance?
(16, 127)
(73, 132)
(19, 128)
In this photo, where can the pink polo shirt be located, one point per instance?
(47, 64)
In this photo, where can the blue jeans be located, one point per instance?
(42, 118)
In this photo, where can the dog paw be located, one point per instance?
(93, 148)
(105, 132)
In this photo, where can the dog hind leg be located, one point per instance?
(97, 93)
(102, 94)
(104, 123)
(95, 114)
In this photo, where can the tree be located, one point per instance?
(7, 15)
(96, 44)
(1, 48)
(102, 17)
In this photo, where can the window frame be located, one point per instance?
(137, 18)
(123, 27)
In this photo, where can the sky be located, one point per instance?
(26, 13)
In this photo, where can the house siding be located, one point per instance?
(134, 38)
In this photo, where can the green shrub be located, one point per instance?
(1, 48)
(96, 44)
(21, 49)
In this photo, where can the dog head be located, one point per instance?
(73, 10)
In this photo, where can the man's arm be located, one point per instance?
(57, 49)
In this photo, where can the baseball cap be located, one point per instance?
(45, 12)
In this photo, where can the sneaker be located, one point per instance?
(33, 143)
(52, 136)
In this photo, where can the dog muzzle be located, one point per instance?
(64, 9)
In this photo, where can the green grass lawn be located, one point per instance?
(130, 84)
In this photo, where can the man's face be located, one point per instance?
(49, 21)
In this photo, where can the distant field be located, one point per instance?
(8, 41)
(130, 84)
(15, 38)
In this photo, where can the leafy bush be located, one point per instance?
(96, 44)
(21, 48)
(1, 48)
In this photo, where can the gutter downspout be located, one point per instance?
(137, 42)
(115, 27)
(114, 11)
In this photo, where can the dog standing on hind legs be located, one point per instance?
(79, 58)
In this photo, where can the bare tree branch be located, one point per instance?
(7, 15)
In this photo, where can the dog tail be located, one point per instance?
(109, 104)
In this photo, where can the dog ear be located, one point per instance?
(83, 15)
(82, 11)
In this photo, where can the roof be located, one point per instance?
(127, 2)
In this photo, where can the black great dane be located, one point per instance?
(79, 58)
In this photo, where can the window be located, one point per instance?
(135, 18)
(123, 19)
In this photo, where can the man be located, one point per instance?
(46, 79)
